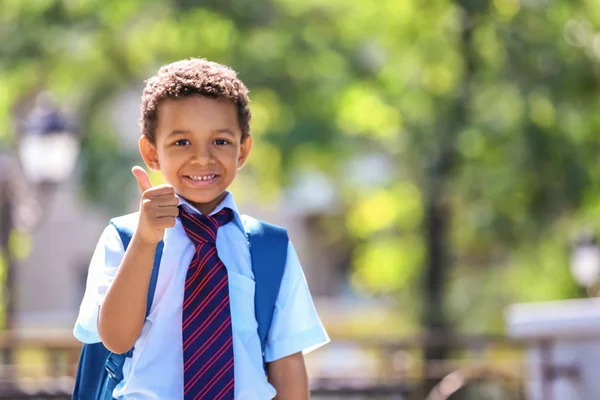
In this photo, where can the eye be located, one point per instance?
(182, 142)
(221, 142)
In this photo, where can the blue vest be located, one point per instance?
(100, 371)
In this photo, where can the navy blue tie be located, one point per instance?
(206, 317)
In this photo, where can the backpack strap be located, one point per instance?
(114, 362)
(126, 233)
(268, 253)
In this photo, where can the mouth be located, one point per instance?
(201, 180)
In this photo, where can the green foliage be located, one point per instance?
(333, 80)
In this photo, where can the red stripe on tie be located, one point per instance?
(210, 253)
(208, 320)
(201, 225)
(224, 391)
(204, 302)
(213, 221)
(194, 235)
(201, 265)
(210, 219)
(215, 379)
(191, 360)
(209, 364)
(193, 264)
(199, 286)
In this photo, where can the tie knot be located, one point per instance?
(203, 228)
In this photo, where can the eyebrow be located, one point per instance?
(177, 132)
(226, 131)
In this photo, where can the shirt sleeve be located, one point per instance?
(103, 267)
(296, 325)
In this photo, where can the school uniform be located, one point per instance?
(155, 369)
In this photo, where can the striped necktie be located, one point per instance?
(206, 317)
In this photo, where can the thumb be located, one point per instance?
(142, 178)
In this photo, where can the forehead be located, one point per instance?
(196, 113)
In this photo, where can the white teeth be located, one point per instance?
(201, 178)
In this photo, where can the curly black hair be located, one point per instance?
(194, 76)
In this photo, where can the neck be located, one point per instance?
(207, 208)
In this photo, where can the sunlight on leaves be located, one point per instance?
(541, 110)
(388, 264)
(264, 165)
(438, 79)
(506, 9)
(363, 111)
(409, 201)
(489, 46)
(269, 113)
(471, 143)
(376, 212)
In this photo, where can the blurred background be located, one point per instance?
(436, 163)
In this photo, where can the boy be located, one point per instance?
(200, 338)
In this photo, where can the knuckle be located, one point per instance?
(165, 188)
(151, 191)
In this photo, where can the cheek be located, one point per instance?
(230, 155)
(171, 158)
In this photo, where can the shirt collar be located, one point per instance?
(227, 202)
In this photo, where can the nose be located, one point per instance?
(202, 156)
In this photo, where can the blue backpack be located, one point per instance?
(100, 371)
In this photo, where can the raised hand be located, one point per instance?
(158, 208)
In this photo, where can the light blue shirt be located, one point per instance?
(155, 370)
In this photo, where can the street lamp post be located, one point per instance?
(47, 149)
(6, 227)
(6, 257)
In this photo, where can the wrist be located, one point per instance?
(141, 241)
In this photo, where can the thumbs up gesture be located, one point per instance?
(158, 208)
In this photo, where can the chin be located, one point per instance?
(203, 198)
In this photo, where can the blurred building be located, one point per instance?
(51, 280)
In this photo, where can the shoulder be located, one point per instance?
(257, 226)
(124, 226)
(127, 220)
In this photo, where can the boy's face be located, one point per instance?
(197, 148)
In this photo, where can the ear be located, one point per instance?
(244, 151)
(149, 153)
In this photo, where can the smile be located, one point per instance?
(202, 177)
(201, 180)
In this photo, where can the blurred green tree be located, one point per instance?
(461, 136)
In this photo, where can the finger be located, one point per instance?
(166, 213)
(142, 178)
(161, 190)
(166, 201)
(161, 212)
(166, 222)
